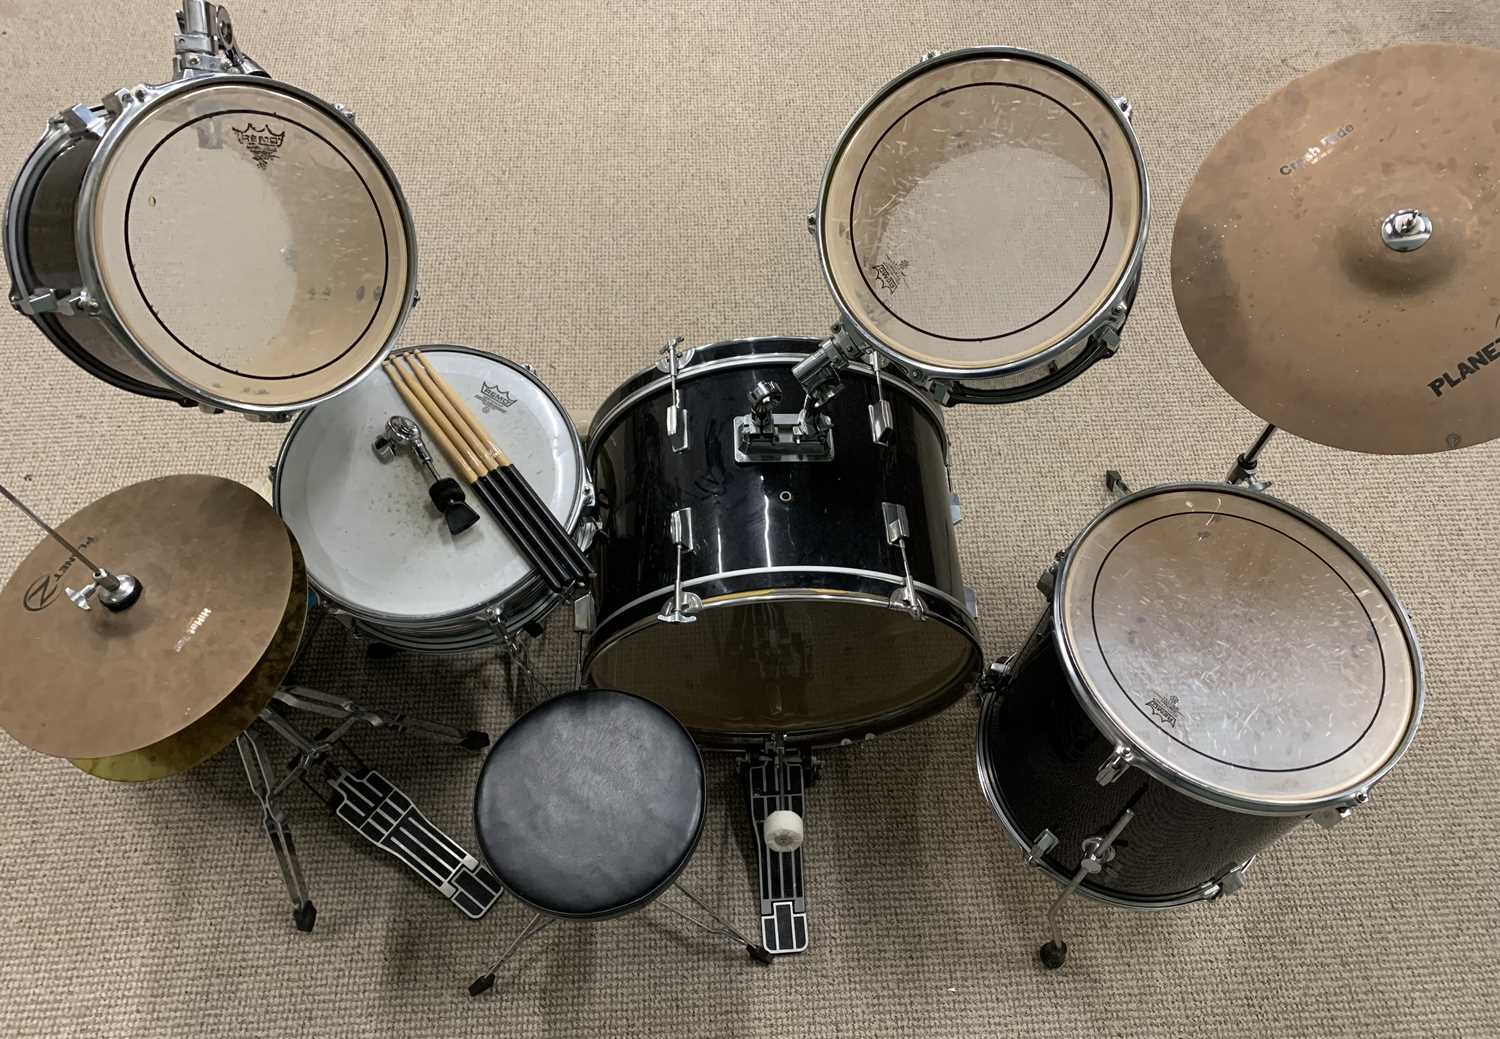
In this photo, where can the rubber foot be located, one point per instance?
(759, 955)
(479, 986)
(1053, 955)
(304, 916)
(475, 740)
(460, 518)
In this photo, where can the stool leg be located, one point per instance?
(720, 928)
(485, 982)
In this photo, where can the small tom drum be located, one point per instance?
(377, 550)
(982, 223)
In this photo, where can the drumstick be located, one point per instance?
(425, 411)
(507, 474)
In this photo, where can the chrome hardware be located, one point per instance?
(56, 301)
(346, 112)
(1047, 581)
(83, 121)
(1125, 107)
(1406, 230)
(1045, 842)
(1097, 852)
(971, 602)
(928, 56)
(765, 436)
(205, 43)
(812, 223)
(1231, 882)
(677, 418)
(955, 511)
(585, 613)
(819, 371)
(1328, 818)
(1116, 766)
(882, 421)
(683, 605)
(116, 591)
(897, 530)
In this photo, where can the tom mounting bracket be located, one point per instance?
(819, 371)
(205, 43)
(765, 435)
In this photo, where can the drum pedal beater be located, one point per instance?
(364, 799)
(1097, 852)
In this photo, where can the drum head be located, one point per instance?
(982, 212)
(250, 242)
(812, 666)
(1247, 653)
(372, 539)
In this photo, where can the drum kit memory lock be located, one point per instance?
(758, 536)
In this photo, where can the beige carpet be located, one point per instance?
(588, 178)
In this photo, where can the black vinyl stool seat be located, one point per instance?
(590, 804)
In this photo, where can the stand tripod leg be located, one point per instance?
(719, 928)
(1096, 852)
(776, 781)
(348, 712)
(486, 981)
(260, 773)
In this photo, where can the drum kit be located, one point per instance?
(758, 536)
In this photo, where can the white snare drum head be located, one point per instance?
(981, 211)
(371, 537)
(251, 244)
(1241, 646)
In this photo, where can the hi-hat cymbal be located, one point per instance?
(1308, 290)
(166, 683)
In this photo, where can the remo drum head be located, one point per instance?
(224, 239)
(376, 547)
(984, 216)
(1242, 651)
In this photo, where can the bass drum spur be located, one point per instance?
(760, 583)
(222, 239)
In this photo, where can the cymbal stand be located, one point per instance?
(116, 591)
(362, 797)
(1243, 470)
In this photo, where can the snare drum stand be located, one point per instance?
(775, 782)
(362, 797)
(1242, 472)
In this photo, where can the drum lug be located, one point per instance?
(83, 121)
(1047, 581)
(677, 417)
(812, 222)
(1045, 842)
(56, 301)
(897, 530)
(882, 420)
(971, 602)
(585, 613)
(1328, 818)
(1126, 108)
(1230, 883)
(1119, 762)
(955, 510)
(680, 609)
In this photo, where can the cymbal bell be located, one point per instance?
(1336, 262)
(156, 688)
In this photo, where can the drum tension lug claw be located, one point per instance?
(680, 609)
(1116, 766)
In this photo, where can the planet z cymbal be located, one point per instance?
(1336, 262)
(166, 683)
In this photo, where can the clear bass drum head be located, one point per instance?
(982, 212)
(373, 542)
(250, 242)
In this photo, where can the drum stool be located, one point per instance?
(590, 806)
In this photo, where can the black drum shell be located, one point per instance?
(766, 526)
(1039, 755)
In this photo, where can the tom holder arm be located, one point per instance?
(205, 43)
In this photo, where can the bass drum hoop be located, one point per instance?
(996, 799)
(1123, 293)
(642, 614)
(23, 278)
(578, 530)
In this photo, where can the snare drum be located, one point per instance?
(813, 594)
(982, 223)
(1214, 667)
(223, 239)
(379, 554)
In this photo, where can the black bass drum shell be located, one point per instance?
(1038, 754)
(797, 636)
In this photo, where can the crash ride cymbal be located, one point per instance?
(166, 683)
(1336, 262)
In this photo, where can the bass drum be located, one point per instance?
(791, 574)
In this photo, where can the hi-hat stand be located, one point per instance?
(372, 805)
